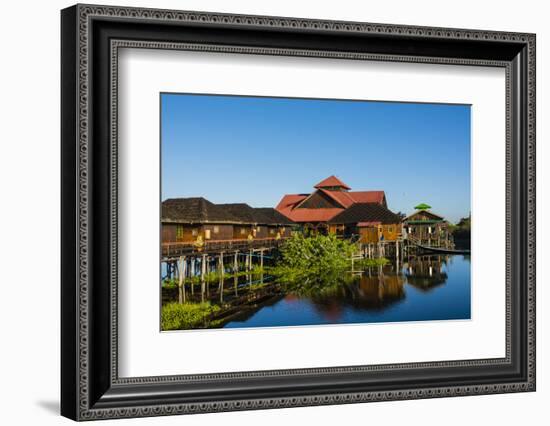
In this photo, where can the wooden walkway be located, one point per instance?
(213, 247)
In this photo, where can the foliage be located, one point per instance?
(313, 259)
(461, 232)
(422, 206)
(179, 316)
(316, 253)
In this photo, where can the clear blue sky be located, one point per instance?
(232, 149)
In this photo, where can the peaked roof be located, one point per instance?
(366, 212)
(200, 210)
(331, 181)
(430, 213)
(341, 197)
(195, 210)
(290, 204)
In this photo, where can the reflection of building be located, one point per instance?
(381, 290)
(372, 222)
(366, 292)
(332, 207)
(426, 272)
(427, 228)
(197, 219)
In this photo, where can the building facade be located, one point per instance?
(330, 198)
(428, 229)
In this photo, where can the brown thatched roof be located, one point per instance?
(200, 210)
(196, 210)
(270, 216)
(242, 211)
(366, 212)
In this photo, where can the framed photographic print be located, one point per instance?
(263, 212)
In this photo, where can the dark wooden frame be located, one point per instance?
(91, 388)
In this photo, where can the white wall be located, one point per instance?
(29, 185)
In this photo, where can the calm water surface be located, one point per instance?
(425, 288)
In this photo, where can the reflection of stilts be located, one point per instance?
(220, 288)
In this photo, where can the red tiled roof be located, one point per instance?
(289, 203)
(290, 200)
(331, 181)
(311, 215)
(341, 197)
(367, 196)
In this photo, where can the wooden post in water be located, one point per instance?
(397, 256)
(236, 262)
(250, 260)
(221, 265)
(181, 273)
(203, 276)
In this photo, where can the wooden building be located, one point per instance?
(368, 222)
(196, 220)
(330, 198)
(266, 221)
(427, 228)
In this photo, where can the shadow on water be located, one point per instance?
(426, 287)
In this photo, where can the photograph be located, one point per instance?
(267, 208)
(282, 212)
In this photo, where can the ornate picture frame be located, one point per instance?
(90, 39)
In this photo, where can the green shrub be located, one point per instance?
(313, 260)
(181, 316)
(319, 252)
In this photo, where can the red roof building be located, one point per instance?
(330, 198)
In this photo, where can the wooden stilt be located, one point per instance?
(181, 274)
(262, 259)
(236, 262)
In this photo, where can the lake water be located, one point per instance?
(434, 287)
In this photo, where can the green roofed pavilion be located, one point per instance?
(423, 206)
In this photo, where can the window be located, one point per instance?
(207, 234)
(390, 229)
(179, 232)
(271, 231)
(195, 232)
(243, 231)
(216, 229)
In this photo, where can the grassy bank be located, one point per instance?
(176, 316)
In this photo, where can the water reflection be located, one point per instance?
(426, 272)
(425, 287)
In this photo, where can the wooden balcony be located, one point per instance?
(172, 250)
